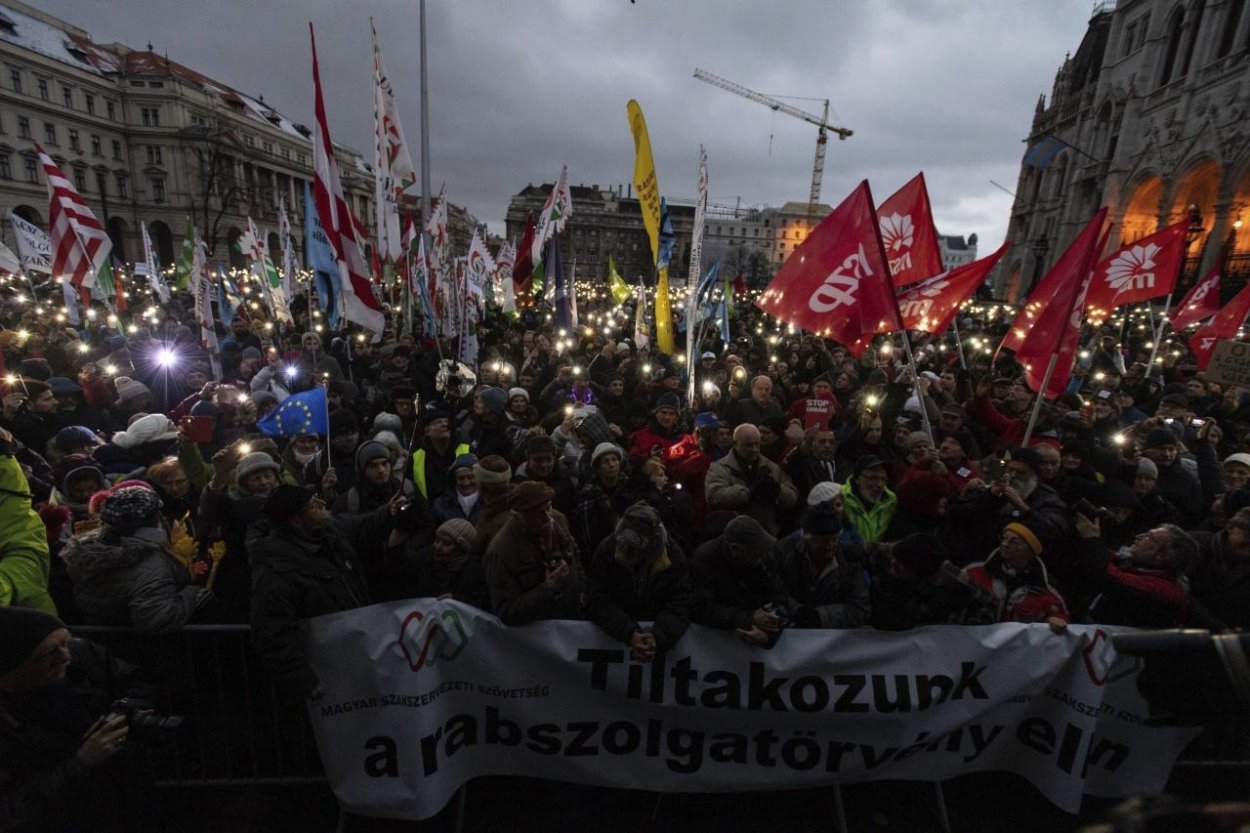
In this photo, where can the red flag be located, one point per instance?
(837, 283)
(523, 270)
(1055, 327)
(1138, 271)
(740, 287)
(1202, 301)
(930, 305)
(80, 246)
(1225, 324)
(359, 304)
(907, 232)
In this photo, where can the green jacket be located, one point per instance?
(869, 523)
(25, 562)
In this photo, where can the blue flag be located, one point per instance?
(1044, 151)
(668, 240)
(321, 261)
(224, 307)
(554, 269)
(300, 413)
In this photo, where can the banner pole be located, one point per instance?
(959, 342)
(1158, 335)
(915, 382)
(1037, 404)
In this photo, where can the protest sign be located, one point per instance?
(1230, 364)
(424, 695)
(817, 413)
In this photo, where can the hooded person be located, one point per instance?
(461, 498)
(148, 439)
(122, 571)
(304, 563)
(77, 478)
(376, 482)
(486, 429)
(662, 429)
(133, 397)
(639, 574)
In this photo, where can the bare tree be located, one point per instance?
(216, 190)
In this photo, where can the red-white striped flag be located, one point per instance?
(359, 304)
(80, 247)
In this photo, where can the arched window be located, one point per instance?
(1192, 46)
(1174, 30)
(1060, 173)
(117, 236)
(1232, 22)
(163, 242)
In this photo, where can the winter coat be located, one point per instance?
(645, 440)
(1219, 585)
(1125, 593)
(977, 518)
(731, 484)
(1023, 596)
(295, 578)
(838, 595)
(726, 594)
(597, 511)
(447, 507)
(25, 562)
(516, 572)
(660, 591)
(130, 581)
(870, 522)
(415, 574)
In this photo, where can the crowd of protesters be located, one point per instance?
(570, 475)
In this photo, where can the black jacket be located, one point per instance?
(618, 598)
(294, 578)
(726, 594)
(837, 598)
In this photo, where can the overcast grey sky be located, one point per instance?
(519, 87)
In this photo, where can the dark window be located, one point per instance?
(43, 89)
(67, 95)
(101, 184)
(158, 190)
(1192, 46)
(88, 101)
(1232, 22)
(15, 80)
(1173, 47)
(73, 141)
(150, 116)
(49, 132)
(111, 108)
(117, 150)
(23, 127)
(154, 155)
(122, 189)
(97, 148)
(32, 170)
(1130, 38)
(80, 181)
(6, 166)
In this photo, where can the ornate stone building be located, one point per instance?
(1150, 116)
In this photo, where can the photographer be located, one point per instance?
(67, 761)
(29, 413)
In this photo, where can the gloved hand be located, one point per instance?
(765, 488)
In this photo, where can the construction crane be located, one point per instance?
(821, 122)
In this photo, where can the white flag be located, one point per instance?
(392, 166)
(152, 266)
(34, 249)
(8, 261)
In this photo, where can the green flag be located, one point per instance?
(616, 284)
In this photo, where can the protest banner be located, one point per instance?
(1230, 364)
(817, 413)
(424, 695)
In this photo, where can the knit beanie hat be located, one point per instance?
(667, 401)
(23, 628)
(370, 451)
(128, 388)
(1147, 466)
(1158, 437)
(151, 428)
(464, 461)
(539, 444)
(821, 520)
(640, 531)
(823, 493)
(129, 509)
(459, 531)
(1029, 536)
(492, 469)
(386, 421)
(286, 501)
(530, 495)
(605, 448)
(76, 436)
(515, 392)
(495, 399)
(922, 491)
(252, 463)
(916, 437)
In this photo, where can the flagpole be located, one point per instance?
(915, 381)
(1037, 405)
(1158, 335)
(959, 342)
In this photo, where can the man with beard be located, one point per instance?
(532, 564)
(977, 518)
(1220, 578)
(746, 481)
(433, 458)
(30, 413)
(867, 504)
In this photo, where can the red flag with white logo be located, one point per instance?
(359, 303)
(1055, 326)
(1137, 271)
(80, 246)
(931, 305)
(907, 232)
(1202, 301)
(837, 283)
(1225, 324)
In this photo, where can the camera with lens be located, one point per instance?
(146, 724)
(1089, 510)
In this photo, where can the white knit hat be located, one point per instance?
(149, 429)
(606, 448)
(515, 392)
(823, 493)
(128, 388)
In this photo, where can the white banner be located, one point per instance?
(33, 245)
(424, 695)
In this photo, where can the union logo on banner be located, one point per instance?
(427, 637)
(897, 233)
(839, 288)
(1133, 268)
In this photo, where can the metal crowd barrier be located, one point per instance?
(239, 731)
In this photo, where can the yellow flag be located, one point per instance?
(644, 176)
(663, 315)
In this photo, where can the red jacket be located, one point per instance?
(1032, 599)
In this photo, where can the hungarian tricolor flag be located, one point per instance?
(1138, 271)
(837, 283)
(931, 305)
(1225, 324)
(1053, 330)
(907, 232)
(1202, 301)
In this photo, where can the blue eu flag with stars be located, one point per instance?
(301, 413)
